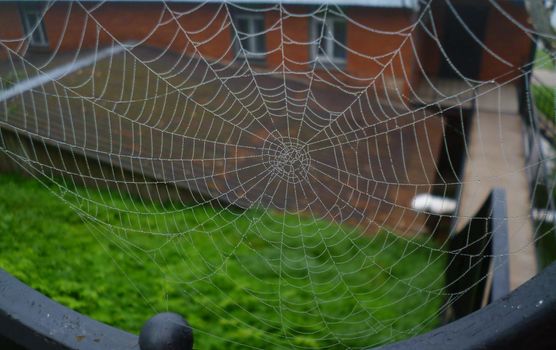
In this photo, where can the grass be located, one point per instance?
(544, 195)
(544, 100)
(250, 278)
(11, 78)
(543, 60)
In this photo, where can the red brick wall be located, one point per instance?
(391, 38)
(10, 28)
(274, 39)
(296, 28)
(427, 48)
(506, 40)
(369, 43)
(377, 44)
(69, 28)
(133, 22)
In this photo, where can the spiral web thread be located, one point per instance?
(304, 137)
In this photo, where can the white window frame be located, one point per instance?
(329, 55)
(30, 29)
(251, 18)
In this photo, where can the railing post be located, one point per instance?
(166, 331)
(500, 245)
(478, 251)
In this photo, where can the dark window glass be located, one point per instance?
(330, 38)
(259, 39)
(243, 31)
(321, 30)
(32, 19)
(32, 23)
(250, 31)
(340, 37)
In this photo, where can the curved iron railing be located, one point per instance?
(30, 320)
(523, 319)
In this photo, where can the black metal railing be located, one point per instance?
(523, 319)
(30, 320)
(478, 267)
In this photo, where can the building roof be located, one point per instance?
(404, 4)
(410, 4)
(366, 3)
(229, 157)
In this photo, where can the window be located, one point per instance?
(331, 46)
(250, 28)
(34, 26)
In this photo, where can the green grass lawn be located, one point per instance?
(249, 278)
(543, 60)
(544, 100)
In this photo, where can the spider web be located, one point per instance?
(315, 163)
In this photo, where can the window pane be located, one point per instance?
(321, 30)
(259, 39)
(340, 37)
(259, 25)
(32, 19)
(243, 25)
(32, 23)
(259, 44)
(243, 30)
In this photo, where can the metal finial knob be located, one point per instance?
(166, 331)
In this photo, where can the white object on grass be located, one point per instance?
(426, 202)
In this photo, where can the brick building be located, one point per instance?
(373, 34)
